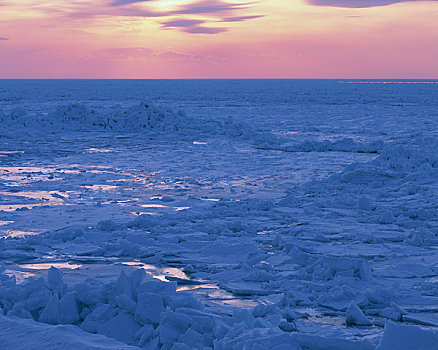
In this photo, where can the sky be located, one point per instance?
(219, 39)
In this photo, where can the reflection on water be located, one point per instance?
(159, 272)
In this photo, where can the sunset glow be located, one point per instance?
(218, 39)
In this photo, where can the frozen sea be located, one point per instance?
(224, 214)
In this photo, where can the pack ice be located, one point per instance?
(222, 215)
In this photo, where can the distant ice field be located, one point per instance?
(254, 213)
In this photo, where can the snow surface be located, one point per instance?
(224, 214)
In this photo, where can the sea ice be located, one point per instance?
(218, 214)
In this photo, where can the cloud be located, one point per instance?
(2, 38)
(210, 7)
(357, 3)
(192, 26)
(204, 30)
(180, 23)
(240, 18)
(192, 17)
(126, 2)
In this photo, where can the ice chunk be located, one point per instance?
(364, 203)
(107, 225)
(180, 346)
(385, 217)
(121, 327)
(287, 326)
(355, 316)
(126, 303)
(37, 300)
(144, 334)
(242, 315)
(68, 309)
(391, 313)
(100, 315)
(328, 267)
(404, 337)
(54, 280)
(122, 286)
(290, 201)
(156, 286)
(18, 310)
(149, 308)
(192, 338)
(50, 314)
(103, 312)
(89, 292)
(18, 333)
(228, 250)
(181, 299)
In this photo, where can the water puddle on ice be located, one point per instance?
(15, 176)
(10, 153)
(181, 208)
(100, 188)
(46, 266)
(98, 150)
(14, 207)
(153, 206)
(161, 206)
(264, 233)
(143, 213)
(52, 196)
(18, 233)
(44, 198)
(4, 223)
(21, 169)
(213, 294)
(25, 271)
(209, 292)
(161, 273)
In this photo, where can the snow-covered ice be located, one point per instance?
(225, 214)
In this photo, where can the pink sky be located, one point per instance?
(218, 39)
